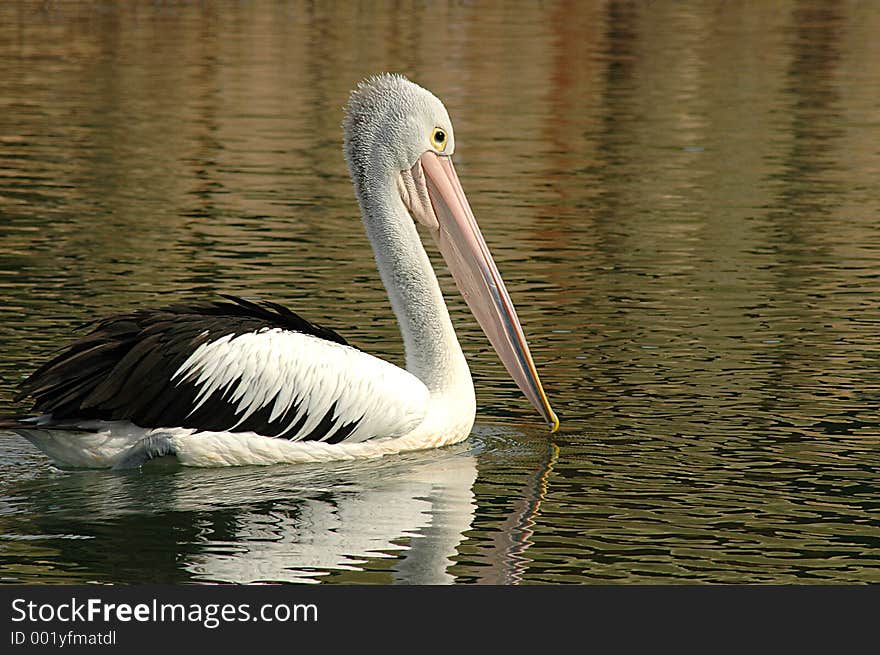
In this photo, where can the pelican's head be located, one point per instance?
(389, 123)
(399, 139)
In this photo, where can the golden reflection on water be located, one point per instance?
(683, 199)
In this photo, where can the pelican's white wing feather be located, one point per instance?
(307, 387)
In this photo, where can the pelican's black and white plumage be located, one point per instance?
(238, 382)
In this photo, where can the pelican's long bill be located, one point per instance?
(432, 192)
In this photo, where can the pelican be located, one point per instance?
(237, 382)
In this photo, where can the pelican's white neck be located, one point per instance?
(433, 353)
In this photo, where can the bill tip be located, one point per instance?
(554, 422)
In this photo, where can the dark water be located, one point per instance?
(684, 199)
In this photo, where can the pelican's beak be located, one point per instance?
(434, 196)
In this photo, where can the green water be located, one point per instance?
(684, 200)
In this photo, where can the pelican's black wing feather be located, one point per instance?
(122, 369)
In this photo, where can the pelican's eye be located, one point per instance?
(439, 139)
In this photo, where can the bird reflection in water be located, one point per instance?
(401, 520)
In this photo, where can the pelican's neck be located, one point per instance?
(433, 353)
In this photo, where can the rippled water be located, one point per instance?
(684, 199)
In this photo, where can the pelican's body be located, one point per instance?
(231, 383)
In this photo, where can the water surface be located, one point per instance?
(684, 199)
